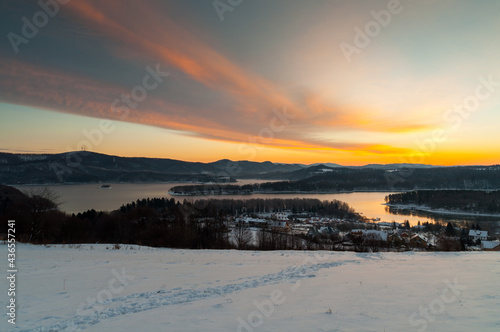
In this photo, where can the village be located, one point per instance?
(369, 235)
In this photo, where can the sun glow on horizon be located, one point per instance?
(188, 86)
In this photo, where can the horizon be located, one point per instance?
(244, 160)
(351, 83)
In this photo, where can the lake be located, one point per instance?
(82, 197)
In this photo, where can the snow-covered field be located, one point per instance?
(96, 288)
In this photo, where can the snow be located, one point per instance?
(151, 289)
(478, 234)
(383, 234)
(253, 220)
(489, 244)
(32, 157)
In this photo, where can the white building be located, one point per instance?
(475, 235)
(490, 245)
(364, 232)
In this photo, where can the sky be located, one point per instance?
(291, 81)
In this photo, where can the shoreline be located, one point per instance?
(281, 193)
(424, 208)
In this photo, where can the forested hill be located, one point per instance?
(470, 201)
(88, 167)
(366, 179)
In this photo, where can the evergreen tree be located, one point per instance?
(450, 230)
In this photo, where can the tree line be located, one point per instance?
(159, 222)
(371, 179)
(470, 201)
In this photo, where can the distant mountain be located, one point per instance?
(90, 167)
(247, 169)
(328, 169)
(396, 166)
(377, 166)
(331, 165)
(303, 173)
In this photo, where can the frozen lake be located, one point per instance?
(82, 197)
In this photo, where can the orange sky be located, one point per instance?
(422, 89)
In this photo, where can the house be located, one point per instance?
(253, 222)
(405, 236)
(371, 233)
(385, 225)
(280, 226)
(325, 230)
(328, 230)
(418, 241)
(490, 245)
(280, 216)
(394, 238)
(475, 235)
(313, 232)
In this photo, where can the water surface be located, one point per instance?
(82, 197)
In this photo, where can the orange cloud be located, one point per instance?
(338, 117)
(251, 98)
(52, 89)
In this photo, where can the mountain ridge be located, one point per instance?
(92, 167)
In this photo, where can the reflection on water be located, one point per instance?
(82, 197)
(441, 218)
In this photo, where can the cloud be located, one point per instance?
(323, 115)
(243, 101)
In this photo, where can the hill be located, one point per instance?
(322, 179)
(92, 287)
(90, 167)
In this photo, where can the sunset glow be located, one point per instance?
(347, 82)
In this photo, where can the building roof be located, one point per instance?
(418, 236)
(490, 244)
(249, 219)
(281, 224)
(477, 233)
(382, 234)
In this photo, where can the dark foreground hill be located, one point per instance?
(88, 167)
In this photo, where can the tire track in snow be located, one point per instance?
(145, 301)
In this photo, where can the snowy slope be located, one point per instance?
(93, 288)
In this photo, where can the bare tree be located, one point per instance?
(242, 236)
(40, 203)
(263, 239)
